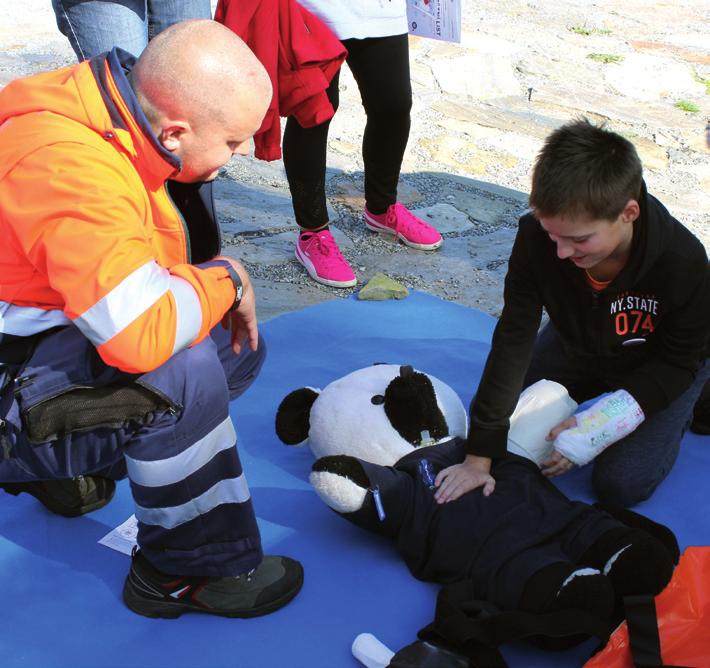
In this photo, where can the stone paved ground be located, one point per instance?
(481, 111)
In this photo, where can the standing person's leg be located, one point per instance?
(629, 471)
(95, 26)
(380, 66)
(304, 154)
(164, 13)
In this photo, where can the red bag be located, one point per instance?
(683, 613)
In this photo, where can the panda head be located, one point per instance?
(378, 414)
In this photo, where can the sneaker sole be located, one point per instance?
(164, 609)
(374, 226)
(308, 266)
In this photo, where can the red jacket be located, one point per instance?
(300, 54)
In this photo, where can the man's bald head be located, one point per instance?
(200, 70)
(201, 88)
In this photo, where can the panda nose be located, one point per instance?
(406, 371)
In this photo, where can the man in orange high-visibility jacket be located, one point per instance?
(111, 290)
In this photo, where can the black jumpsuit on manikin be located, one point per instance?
(498, 542)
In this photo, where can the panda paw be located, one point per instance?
(341, 482)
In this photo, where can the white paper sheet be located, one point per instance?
(123, 537)
(438, 19)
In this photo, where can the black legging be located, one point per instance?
(380, 66)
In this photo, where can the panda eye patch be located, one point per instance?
(377, 399)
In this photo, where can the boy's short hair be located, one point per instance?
(585, 171)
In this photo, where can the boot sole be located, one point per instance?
(164, 609)
(15, 489)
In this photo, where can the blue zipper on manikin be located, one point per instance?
(379, 507)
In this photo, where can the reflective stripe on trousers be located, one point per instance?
(192, 499)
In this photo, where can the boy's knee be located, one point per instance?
(621, 489)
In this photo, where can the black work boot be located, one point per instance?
(69, 498)
(268, 587)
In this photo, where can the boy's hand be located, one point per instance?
(605, 422)
(456, 480)
(569, 423)
(558, 464)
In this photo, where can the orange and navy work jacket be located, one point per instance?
(90, 235)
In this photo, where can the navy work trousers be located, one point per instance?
(191, 497)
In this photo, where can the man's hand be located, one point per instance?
(558, 464)
(456, 480)
(242, 321)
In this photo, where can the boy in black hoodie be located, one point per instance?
(627, 291)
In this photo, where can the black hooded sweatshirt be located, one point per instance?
(647, 332)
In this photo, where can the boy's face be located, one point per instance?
(589, 243)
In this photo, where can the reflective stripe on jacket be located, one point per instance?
(91, 236)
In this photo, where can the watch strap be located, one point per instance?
(238, 286)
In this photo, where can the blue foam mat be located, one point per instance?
(62, 590)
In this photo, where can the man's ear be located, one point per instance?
(631, 211)
(172, 134)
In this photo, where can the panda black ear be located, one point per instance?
(293, 415)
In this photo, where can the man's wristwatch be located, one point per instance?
(238, 287)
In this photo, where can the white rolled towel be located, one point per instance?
(540, 407)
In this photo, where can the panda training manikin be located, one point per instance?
(381, 435)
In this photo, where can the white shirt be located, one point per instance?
(361, 18)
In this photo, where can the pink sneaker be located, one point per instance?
(320, 255)
(401, 222)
